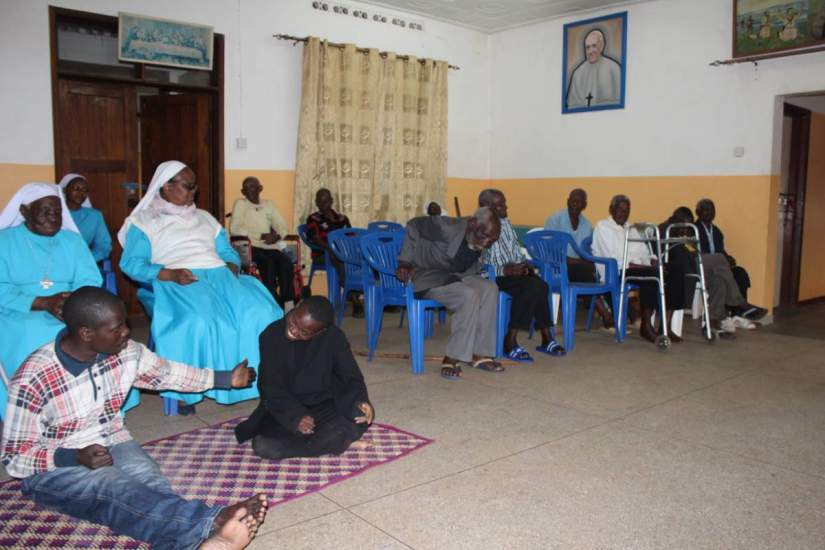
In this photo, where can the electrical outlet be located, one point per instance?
(739, 151)
(240, 143)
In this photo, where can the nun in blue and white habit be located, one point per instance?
(203, 312)
(42, 259)
(89, 220)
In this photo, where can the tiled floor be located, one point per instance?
(616, 446)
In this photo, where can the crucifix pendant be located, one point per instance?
(46, 284)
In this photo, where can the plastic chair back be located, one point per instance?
(549, 250)
(344, 244)
(380, 250)
(384, 226)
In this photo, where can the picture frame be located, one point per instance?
(764, 27)
(594, 64)
(157, 41)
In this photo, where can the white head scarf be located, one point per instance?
(427, 205)
(164, 172)
(29, 193)
(67, 179)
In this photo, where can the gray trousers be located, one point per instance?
(723, 292)
(473, 303)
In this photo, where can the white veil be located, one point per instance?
(164, 172)
(67, 179)
(30, 192)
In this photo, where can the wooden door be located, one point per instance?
(95, 135)
(178, 127)
(792, 205)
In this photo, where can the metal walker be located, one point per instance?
(650, 235)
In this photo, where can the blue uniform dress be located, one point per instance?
(214, 322)
(94, 231)
(26, 259)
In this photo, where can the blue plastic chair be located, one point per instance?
(505, 302)
(344, 243)
(332, 275)
(548, 249)
(385, 226)
(612, 278)
(109, 278)
(380, 250)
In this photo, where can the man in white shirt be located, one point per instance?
(608, 242)
(260, 221)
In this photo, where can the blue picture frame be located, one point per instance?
(157, 41)
(607, 66)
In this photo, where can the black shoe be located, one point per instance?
(753, 313)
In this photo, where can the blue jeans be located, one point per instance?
(131, 497)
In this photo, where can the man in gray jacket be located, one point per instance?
(442, 257)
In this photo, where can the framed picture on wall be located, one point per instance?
(768, 26)
(165, 42)
(594, 62)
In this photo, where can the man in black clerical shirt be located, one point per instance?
(313, 397)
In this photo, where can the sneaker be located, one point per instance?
(753, 313)
(745, 324)
(728, 325)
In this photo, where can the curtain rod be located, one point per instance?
(296, 39)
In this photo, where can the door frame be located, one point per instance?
(138, 79)
(797, 179)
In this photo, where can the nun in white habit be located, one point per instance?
(43, 258)
(89, 220)
(203, 313)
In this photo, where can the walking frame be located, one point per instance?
(650, 235)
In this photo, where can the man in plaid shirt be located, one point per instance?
(64, 435)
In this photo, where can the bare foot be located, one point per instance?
(254, 509)
(360, 445)
(234, 534)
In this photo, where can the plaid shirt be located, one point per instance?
(318, 225)
(49, 408)
(506, 250)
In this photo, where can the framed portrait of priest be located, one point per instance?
(594, 63)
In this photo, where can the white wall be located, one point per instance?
(682, 117)
(266, 113)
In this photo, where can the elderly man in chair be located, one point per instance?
(442, 258)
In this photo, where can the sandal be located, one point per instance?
(553, 348)
(487, 364)
(520, 355)
(450, 371)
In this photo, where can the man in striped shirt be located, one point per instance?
(64, 436)
(516, 277)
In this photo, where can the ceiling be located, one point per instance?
(489, 16)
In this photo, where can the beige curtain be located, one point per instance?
(373, 130)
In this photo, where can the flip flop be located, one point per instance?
(450, 372)
(520, 355)
(488, 365)
(553, 348)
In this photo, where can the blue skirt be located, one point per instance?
(212, 323)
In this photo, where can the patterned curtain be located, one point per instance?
(373, 130)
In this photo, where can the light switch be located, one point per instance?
(739, 152)
(240, 143)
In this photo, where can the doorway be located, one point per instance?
(114, 122)
(800, 262)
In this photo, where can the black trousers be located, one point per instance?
(277, 272)
(649, 290)
(743, 281)
(579, 271)
(529, 294)
(333, 435)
